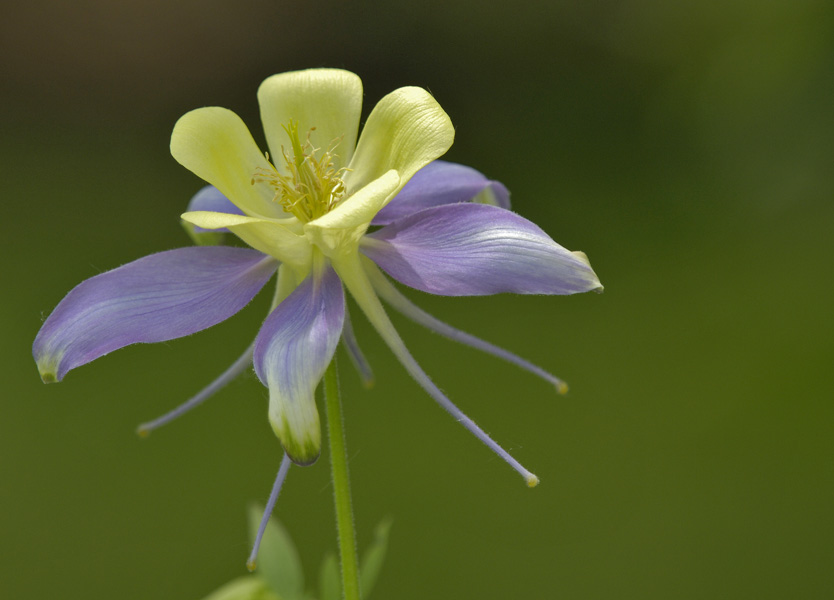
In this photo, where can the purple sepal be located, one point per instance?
(438, 183)
(156, 298)
(211, 199)
(293, 349)
(475, 249)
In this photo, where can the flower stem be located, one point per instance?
(341, 484)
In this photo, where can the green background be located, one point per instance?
(687, 147)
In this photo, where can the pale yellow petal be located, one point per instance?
(214, 144)
(340, 229)
(328, 99)
(282, 238)
(407, 130)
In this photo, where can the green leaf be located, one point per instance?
(374, 556)
(248, 587)
(278, 561)
(330, 580)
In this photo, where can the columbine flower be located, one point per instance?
(445, 229)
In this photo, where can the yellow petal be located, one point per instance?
(405, 131)
(281, 238)
(340, 229)
(214, 144)
(328, 99)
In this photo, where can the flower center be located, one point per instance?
(313, 185)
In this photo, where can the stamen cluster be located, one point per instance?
(314, 186)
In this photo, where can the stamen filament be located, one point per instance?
(252, 561)
(354, 277)
(388, 292)
(233, 371)
(356, 357)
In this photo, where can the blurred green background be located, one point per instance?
(687, 147)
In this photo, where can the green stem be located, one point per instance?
(341, 484)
